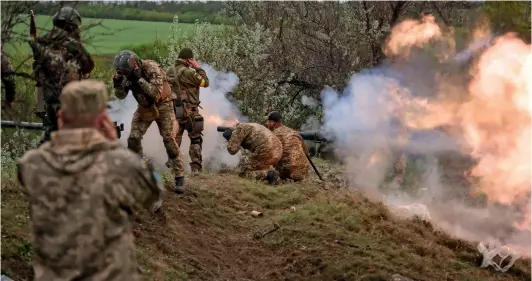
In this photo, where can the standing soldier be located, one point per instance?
(148, 82)
(59, 59)
(265, 147)
(293, 164)
(8, 79)
(186, 77)
(82, 186)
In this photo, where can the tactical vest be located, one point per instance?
(145, 100)
(189, 95)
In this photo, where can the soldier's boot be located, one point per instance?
(179, 185)
(272, 176)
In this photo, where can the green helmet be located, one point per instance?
(66, 16)
(126, 62)
(185, 53)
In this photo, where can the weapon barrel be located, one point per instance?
(20, 124)
(222, 128)
(312, 136)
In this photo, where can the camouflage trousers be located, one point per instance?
(298, 173)
(257, 165)
(49, 122)
(194, 127)
(167, 127)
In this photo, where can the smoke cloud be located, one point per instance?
(419, 103)
(216, 109)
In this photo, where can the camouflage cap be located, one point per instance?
(84, 97)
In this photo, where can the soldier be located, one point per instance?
(293, 164)
(148, 82)
(8, 79)
(186, 77)
(265, 147)
(82, 186)
(59, 59)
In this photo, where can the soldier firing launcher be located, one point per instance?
(40, 126)
(308, 136)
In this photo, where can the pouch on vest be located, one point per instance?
(148, 114)
(198, 124)
(179, 109)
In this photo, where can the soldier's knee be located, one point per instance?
(171, 149)
(134, 144)
(196, 140)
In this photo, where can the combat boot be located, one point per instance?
(179, 185)
(272, 176)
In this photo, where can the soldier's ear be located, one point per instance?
(60, 120)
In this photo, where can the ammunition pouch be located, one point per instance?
(179, 109)
(148, 114)
(198, 124)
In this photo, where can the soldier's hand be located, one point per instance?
(141, 81)
(227, 134)
(193, 63)
(117, 80)
(107, 128)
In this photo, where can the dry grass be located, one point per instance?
(333, 234)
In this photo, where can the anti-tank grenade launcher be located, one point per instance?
(40, 126)
(308, 136)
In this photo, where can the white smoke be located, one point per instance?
(216, 110)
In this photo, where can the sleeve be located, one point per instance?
(197, 78)
(84, 57)
(121, 90)
(154, 84)
(149, 188)
(237, 137)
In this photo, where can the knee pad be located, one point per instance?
(170, 149)
(196, 140)
(134, 144)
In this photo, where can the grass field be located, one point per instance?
(109, 38)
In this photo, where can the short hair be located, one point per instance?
(275, 116)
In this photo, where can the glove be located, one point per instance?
(117, 80)
(227, 134)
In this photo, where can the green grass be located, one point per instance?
(109, 38)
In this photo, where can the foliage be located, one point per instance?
(146, 11)
(510, 16)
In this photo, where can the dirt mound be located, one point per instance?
(332, 234)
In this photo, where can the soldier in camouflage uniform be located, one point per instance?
(82, 186)
(8, 79)
(265, 147)
(186, 77)
(59, 59)
(148, 82)
(294, 163)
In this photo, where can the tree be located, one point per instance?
(507, 16)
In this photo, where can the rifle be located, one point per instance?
(40, 126)
(313, 136)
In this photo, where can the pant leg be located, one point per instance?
(168, 127)
(51, 121)
(179, 132)
(256, 167)
(196, 143)
(138, 129)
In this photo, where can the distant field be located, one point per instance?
(109, 38)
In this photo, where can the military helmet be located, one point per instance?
(66, 15)
(126, 61)
(185, 53)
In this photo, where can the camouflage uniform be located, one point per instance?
(186, 83)
(294, 163)
(153, 93)
(266, 149)
(8, 79)
(81, 188)
(59, 59)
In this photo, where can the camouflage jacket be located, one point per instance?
(152, 88)
(254, 137)
(59, 58)
(186, 82)
(294, 148)
(8, 79)
(81, 189)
